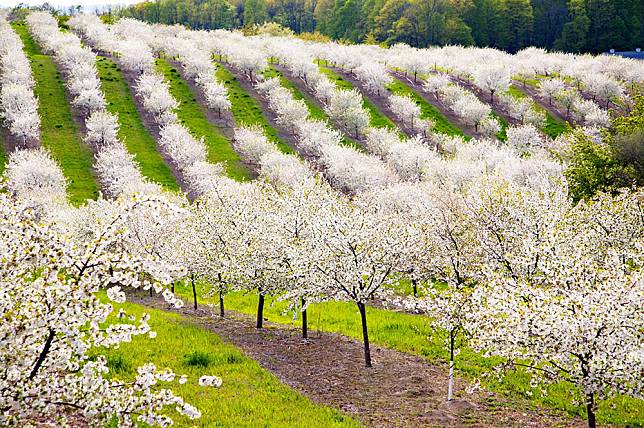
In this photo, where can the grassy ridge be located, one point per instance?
(249, 397)
(378, 119)
(190, 113)
(413, 335)
(3, 155)
(246, 110)
(58, 132)
(132, 132)
(315, 111)
(428, 111)
(554, 127)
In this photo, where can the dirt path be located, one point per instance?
(399, 391)
(13, 143)
(416, 86)
(381, 101)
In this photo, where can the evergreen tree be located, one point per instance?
(519, 21)
(575, 31)
(549, 19)
(255, 12)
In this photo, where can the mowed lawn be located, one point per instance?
(247, 110)
(249, 396)
(193, 117)
(132, 132)
(413, 334)
(59, 133)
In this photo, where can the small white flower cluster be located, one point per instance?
(210, 381)
(274, 166)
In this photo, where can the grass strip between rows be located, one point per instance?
(58, 132)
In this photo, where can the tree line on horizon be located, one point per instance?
(567, 25)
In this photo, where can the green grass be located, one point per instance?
(246, 109)
(132, 131)
(553, 127)
(190, 114)
(428, 111)
(501, 135)
(3, 155)
(412, 334)
(58, 132)
(249, 396)
(378, 119)
(315, 111)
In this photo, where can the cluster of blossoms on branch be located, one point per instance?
(55, 323)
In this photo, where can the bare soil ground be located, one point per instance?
(13, 143)
(399, 391)
(468, 130)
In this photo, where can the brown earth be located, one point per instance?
(400, 390)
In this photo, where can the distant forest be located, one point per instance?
(567, 25)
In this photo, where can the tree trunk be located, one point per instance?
(194, 290)
(450, 384)
(43, 354)
(590, 409)
(365, 334)
(260, 312)
(305, 326)
(414, 283)
(221, 302)
(172, 287)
